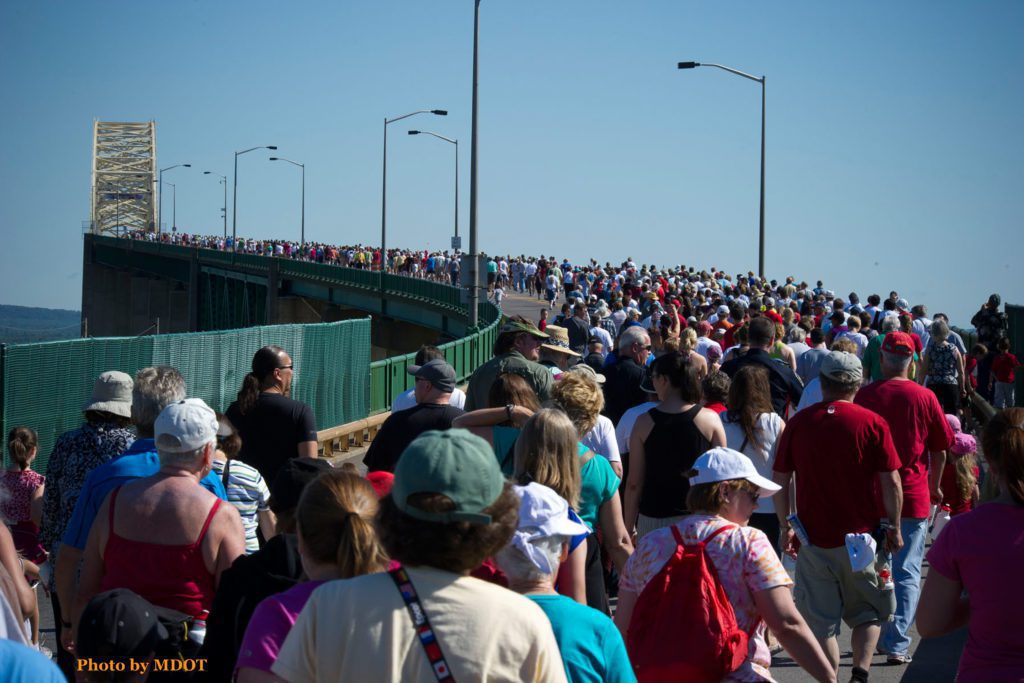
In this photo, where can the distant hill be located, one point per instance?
(24, 324)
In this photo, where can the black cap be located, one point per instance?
(291, 479)
(994, 301)
(119, 624)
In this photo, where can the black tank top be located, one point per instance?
(670, 450)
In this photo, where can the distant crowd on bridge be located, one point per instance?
(680, 475)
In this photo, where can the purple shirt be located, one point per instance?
(270, 624)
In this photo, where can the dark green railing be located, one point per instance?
(388, 377)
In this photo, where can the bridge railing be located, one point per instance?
(388, 377)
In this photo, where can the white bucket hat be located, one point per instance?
(724, 464)
(542, 514)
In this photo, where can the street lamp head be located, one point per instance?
(187, 165)
(439, 112)
(273, 159)
(271, 146)
(414, 132)
(688, 65)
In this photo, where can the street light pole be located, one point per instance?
(456, 143)
(160, 208)
(761, 80)
(303, 167)
(234, 200)
(223, 181)
(474, 291)
(174, 206)
(384, 185)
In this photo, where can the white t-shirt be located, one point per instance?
(761, 453)
(407, 399)
(359, 629)
(601, 439)
(626, 422)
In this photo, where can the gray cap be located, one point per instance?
(842, 367)
(111, 393)
(437, 372)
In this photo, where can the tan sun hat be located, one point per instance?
(112, 393)
(559, 340)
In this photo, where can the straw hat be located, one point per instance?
(559, 340)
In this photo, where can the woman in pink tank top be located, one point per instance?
(164, 536)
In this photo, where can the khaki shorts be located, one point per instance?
(828, 590)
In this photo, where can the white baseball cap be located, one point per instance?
(724, 464)
(542, 514)
(187, 425)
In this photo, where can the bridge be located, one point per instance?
(352, 333)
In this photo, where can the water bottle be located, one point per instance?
(798, 529)
(883, 563)
(197, 631)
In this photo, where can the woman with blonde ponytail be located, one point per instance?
(337, 540)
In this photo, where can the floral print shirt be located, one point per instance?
(75, 454)
(746, 563)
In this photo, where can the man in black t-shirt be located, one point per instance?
(435, 381)
(273, 426)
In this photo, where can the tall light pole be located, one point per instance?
(456, 143)
(761, 80)
(234, 199)
(223, 181)
(160, 208)
(474, 291)
(174, 207)
(303, 167)
(384, 185)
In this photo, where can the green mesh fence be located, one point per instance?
(44, 386)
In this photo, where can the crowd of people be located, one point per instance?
(677, 477)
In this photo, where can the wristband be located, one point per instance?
(508, 410)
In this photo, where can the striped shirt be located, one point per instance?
(249, 493)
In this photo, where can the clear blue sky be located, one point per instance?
(894, 140)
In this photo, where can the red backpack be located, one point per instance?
(683, 627)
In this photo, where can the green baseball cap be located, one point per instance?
(453, 463)
(514, 326)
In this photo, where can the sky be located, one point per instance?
(893, 143)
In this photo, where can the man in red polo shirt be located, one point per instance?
(921, 436)
(840, 452)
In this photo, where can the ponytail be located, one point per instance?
(335, 519)
(1003, 444)
(359, 552)
(264, 362)
(20, 442)
(249, 394)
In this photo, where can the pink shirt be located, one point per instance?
(746, 563)
(984, 550)
(270, 624)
